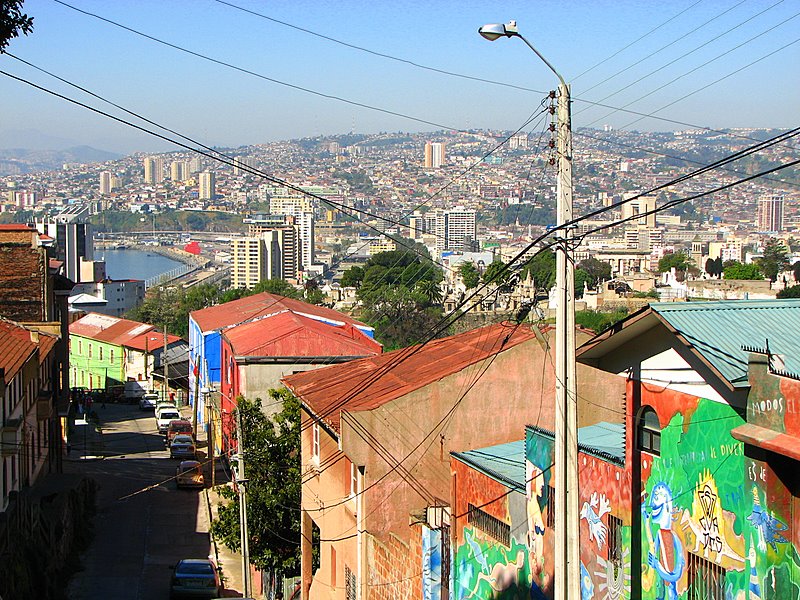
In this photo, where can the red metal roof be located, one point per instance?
(16, 347)
(151, 340)
(290, 334)
(368, 383)
(16, 227)
(260, 305)
(113, 330)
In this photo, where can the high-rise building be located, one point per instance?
(640, 205)
(195, 165)
(770, 213)
(179, 170)
(153, 169)
(207, 185)
(434, 155)
(72, 236)
(455, 229)
(288, 234)
(240, 162)
(416, 225)
(105, 182)
(256, 259)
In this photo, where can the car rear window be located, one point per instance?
(169, 415)
(197, 568)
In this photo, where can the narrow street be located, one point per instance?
(144, 524)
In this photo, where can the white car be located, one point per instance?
(164, 416)
(148, 401)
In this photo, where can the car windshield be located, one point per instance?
(195, 569)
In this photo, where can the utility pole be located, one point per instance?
(567, 519)
(567, 546)
(165, 360)
(241, 482)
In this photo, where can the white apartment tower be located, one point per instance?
(302, 210)
(770, 213)
(105, 182)
(207, 185)
(256, 259)
(455, 229)
(434, 155)
(153, 169)
(179, 171)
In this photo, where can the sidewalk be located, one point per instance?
(230, 562)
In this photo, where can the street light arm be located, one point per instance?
(544, 60)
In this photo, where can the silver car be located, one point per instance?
(182, 446)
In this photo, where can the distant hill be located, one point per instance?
(21, 160)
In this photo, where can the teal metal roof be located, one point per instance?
(718, 330)
(504, 463)
(604, 438)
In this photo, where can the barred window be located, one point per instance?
(649, 430)
(551, 506)
(349, 584)
(615, 540)
(491, 526)
(706, 579)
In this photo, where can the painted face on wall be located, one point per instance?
(661, 505)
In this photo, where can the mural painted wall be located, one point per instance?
(712, 518)
(483, 568)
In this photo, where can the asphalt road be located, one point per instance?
(143, 524)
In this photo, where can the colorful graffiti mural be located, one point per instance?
(592, 512)
(702, 528)
(488, 570)
(431, 564)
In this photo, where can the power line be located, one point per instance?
(378, 54)
(636, 41)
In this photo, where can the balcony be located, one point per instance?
(11, 437)
(44, 405)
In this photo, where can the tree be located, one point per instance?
(677, 260)
(271, 452)
(796, 270)
(311, 292)
(497, 274)
(775, 259)
(739, 270)
(790, 292)
(710, 268)
(353, 277)
(431, 290)
(542, 268)
(470, 275)
(279, 287)
(596, 270)
(12, 22)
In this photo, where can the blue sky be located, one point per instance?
(221, 106)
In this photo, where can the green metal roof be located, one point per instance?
(504, 463)
(605, 438)
(718, 330)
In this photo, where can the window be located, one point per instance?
(111, 355)
(551, 507)
(349, 584)
(315, 442)
(615, 541)
(706, 579)
(80, 347)
(333, 567)
(100, 352)
(649, 431)
(353, 479)
(491, 526)
(90, 349)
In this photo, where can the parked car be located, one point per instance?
(182, 446)
(147, 401)
(165, 404)
(176, 427)
(189, 475)
(195, 578)
(164, 416)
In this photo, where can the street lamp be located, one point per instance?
(567, 550)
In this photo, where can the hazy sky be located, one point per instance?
(615, 52)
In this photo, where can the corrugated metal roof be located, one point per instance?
(260, 305)
(718, 330)
(371, 382)
(16, 347)
(504, 463)
(290, 334)
(607, 438)
(113, 330)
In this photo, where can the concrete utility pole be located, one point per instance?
(166, 367)
(241, 482)
(567, 518)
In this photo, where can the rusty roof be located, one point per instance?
(291, 334)
(112, 330)
(261, 305)
(368, 383)
(16, 347)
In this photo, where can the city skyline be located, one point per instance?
(613, 55)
